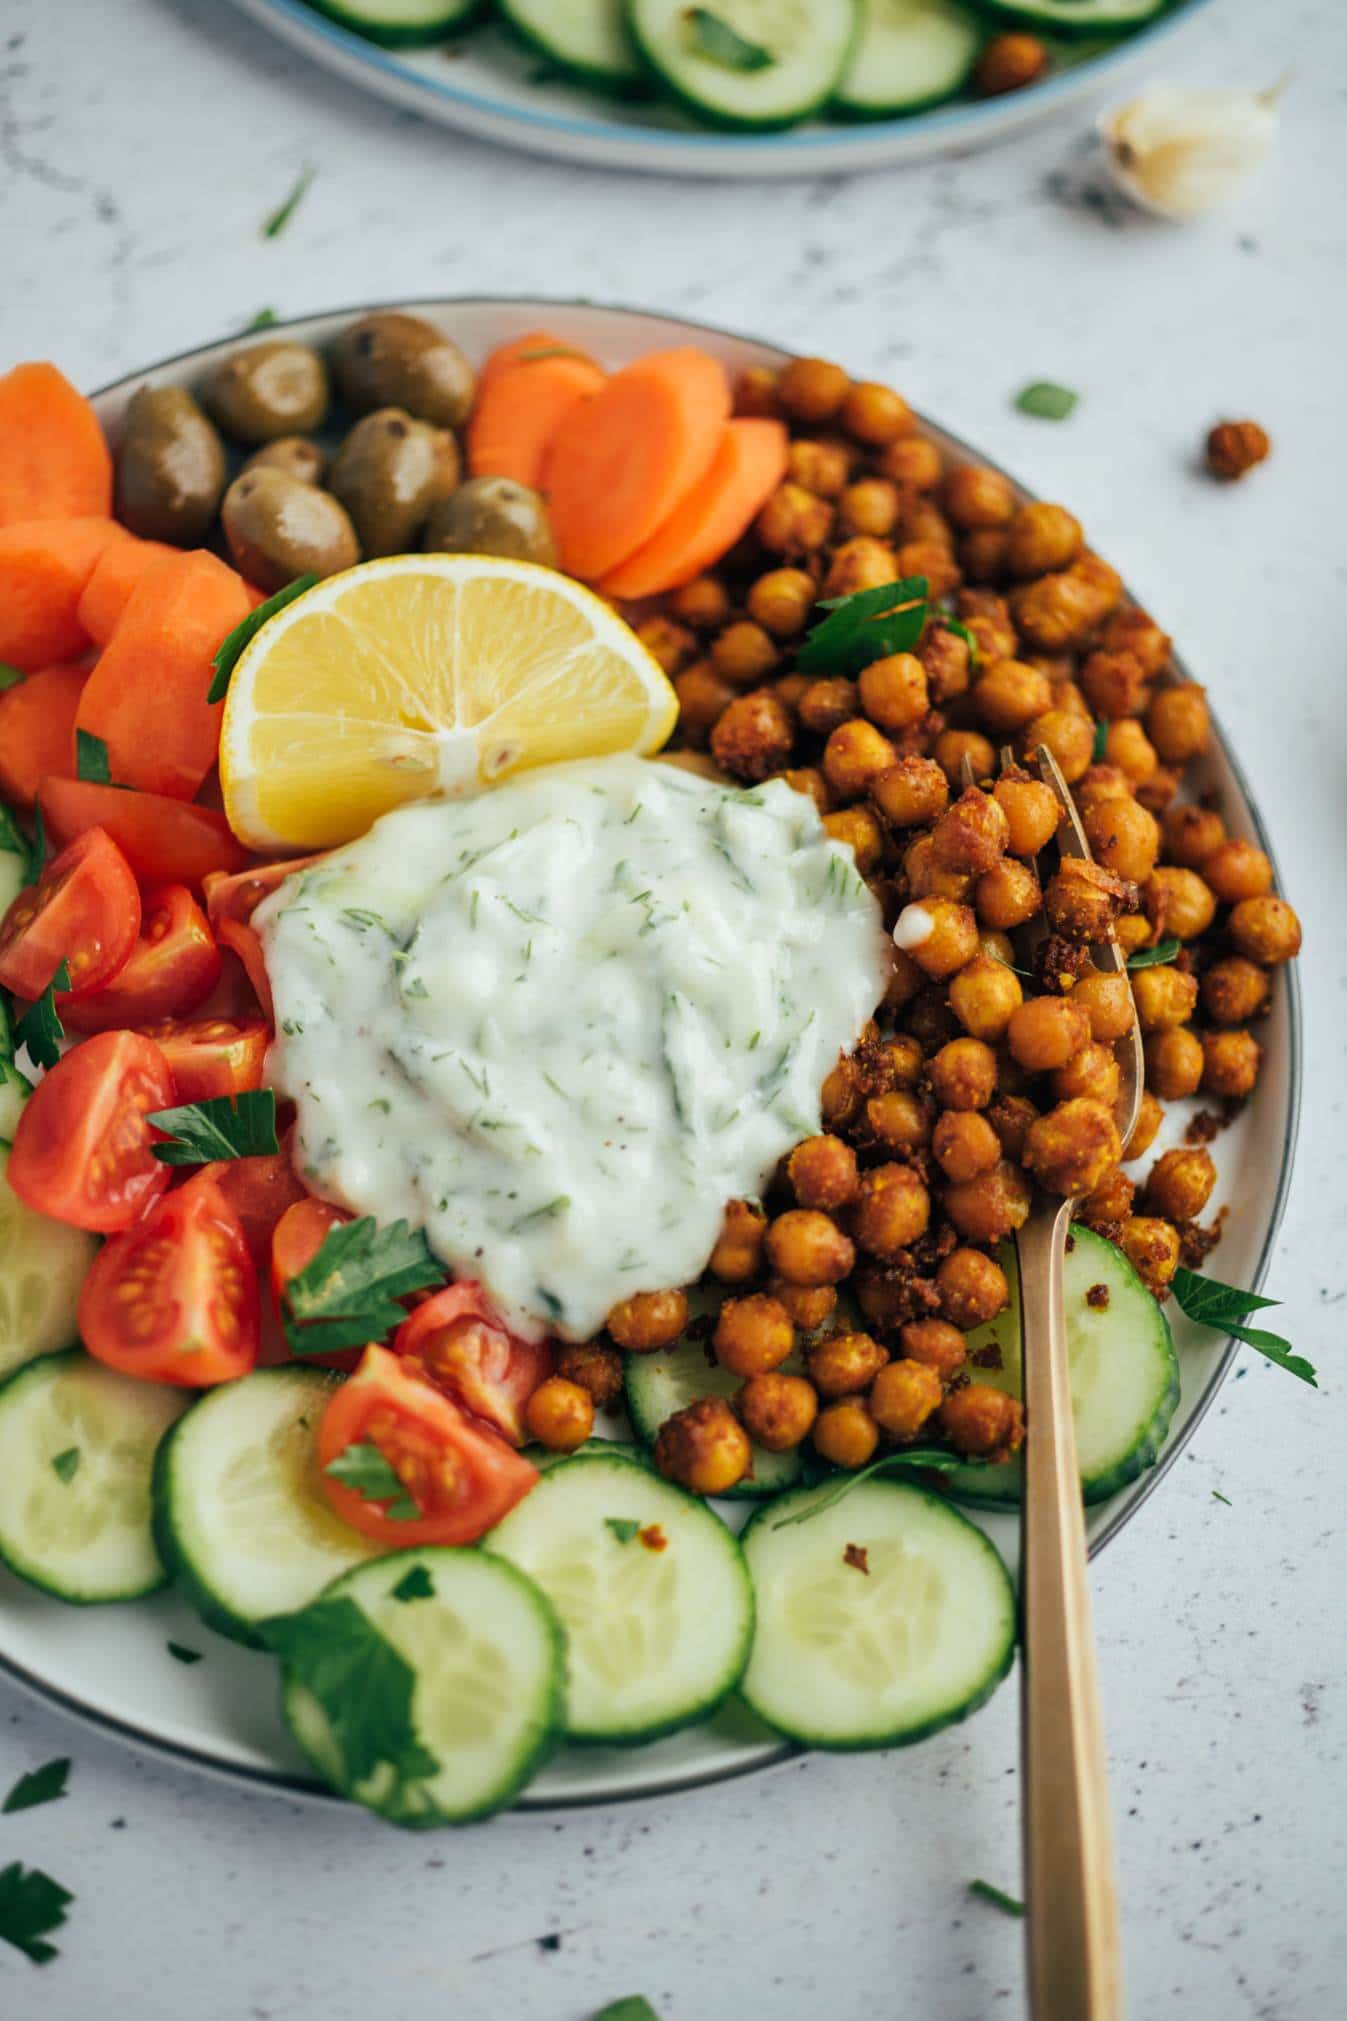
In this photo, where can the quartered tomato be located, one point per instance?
(174, 1299)
(296, 1240)
(467, 1350)
(82, 1147)
(165, 841)
(212, 1056)
(462, 1477)
(261, 1192)
(84, 910)
(173, 967)
(238, 897)
(240, 939)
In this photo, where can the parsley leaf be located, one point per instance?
(961, 631)
(867, 626)
(718, 42)
(65, 1466)
(91, 759)
(634, 2008)
(1154, 957)
(365, 1469)
(37, 848)
(13, 841)
(43, 1785)
(415, 1584)
(221, 1126)
(1223, 1307)
(622, 1528)
(182, 1654)
(346, 1295)
(939, 1459)
(230, 649)
(40, 1028)
(10, 676)
(32, 1904)
(985, 1892)
(361, 1683)
(274, 225)
(1100, 744)
(1046, 401)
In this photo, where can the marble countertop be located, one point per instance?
(142, 143)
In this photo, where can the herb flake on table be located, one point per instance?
(219, 1127)
(347, 1294)
(91, 759)
(865, 627)
(362, 1685)
(1046, 400)
(274, 225)
(40, 1028)
(1154, 957)
(369, 1474)
(998, 1898)
(65, 1466)
(32, 1905)
(262, 319)
(40, 1785)
(231, 648)
(1217, 1496)
(711, 36)
(1223, 1308)
(180, 1653)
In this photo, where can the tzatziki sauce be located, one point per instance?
(560, 1025)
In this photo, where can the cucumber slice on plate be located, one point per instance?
(43, 1263)
(13, 859)
(909, 54)
(1075, 17)
(650, 1587)
(880, 1619)
(77, 1445)
(543, 1457)
(240, 1516)
(1124, 1373)
(587, 39)
(426, 1685)
(15, 1088)
(668, 1380)
(746, 63)
(401, 21)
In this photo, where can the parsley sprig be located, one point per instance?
(867, 626)
(40, 1785)
(347, 1294)
(1223, 1308)
(362, 1684)
(91, 759)
(1155, 957)
(32, 1905)
(371, 1475)
(40, 1028)
(232, 646)
(221, 1126)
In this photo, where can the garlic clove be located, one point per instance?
(1179, 152)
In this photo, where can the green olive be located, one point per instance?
(492, 515)
(392, 360)
(278, 528)
(277, 388)
(170, 467)
(388, 474)
(293, 454)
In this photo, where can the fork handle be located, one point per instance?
(1074, 1950)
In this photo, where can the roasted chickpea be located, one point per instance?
(987, 616)
(805, 1247)
(1132, 932)
(1058, 610)
(940, 935)
(1174, 1063)
(753, 1335)
(841, 1095)
(1230, 1063)
(1236, 870)
(1010, 1117)
(743, 654)
(990, 1207)
(594, 1368)
(893, 691)
(1070, 1148)
(1124, 838)
(825, 705)
(753, 737)
(934, 560)
(972, 834)
(1007, 895)
(871, 504)
(924, 523)
(910, 793)
(1192, 834)
(972, 1288)
(953, 746)
(982, 555)
(935, 1344)
(1082, 900)
(1044, 1033)
(1068, 736)
(875, 414)
(823, 1172)
(559, 1414)
(1156, 792)
(1164, 997)
(702, 700)
(1134, 631)
(1092, 1073)
(1266, 930)
(809, 1305)
(1041, 539)
(1181, 1183)
(755, 392)
(1150, 1115)
(844, 1364)
(1179, 901)
(778, 1411)
(963, 1075)
(899, 1120)
(948, 663)
(703, 603)
(964, 1144)
(1127, 746)
(1098, 783)
(807, 780)
(1178, 723)
(1109, 1203)
(975, 497)
(855, 754)
(984, 996)
(811, 389)
(1031, 811)
(927, 877)
(1107, 1002)
(704, 1447)
(930, 1019)
(1234, 990)
(857, 564)
(793, 521)
(1114, 684)
(780, 601)
(648, 1320)
(893, 1209)
(858, 828)
(845, 1434)
(737, 1255)
(1152, 1248)
(820, 467)
(1009, 63)
(902, 1397)
(672, 645)
(912, 462)
(981, 1422)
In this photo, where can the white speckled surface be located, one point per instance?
(141, 144)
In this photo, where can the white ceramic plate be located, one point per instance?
(488, 85)
(112, 1664)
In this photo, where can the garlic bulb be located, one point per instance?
(1178, 152)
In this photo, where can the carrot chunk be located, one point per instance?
(116, 572)
(521, 402)
(527, 350)
(37, 730)
(44, 567)
(748, 466)
(54, 461)
(621, 463)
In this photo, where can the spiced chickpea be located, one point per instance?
(1234, 990)
(899, 1120)
(964, 1144)
(1044, 1033)
(855, 754)
(1107, 1001)
(648, 1320)
(947, 661)
(1114, 685)
(911, 792)
(672, 645)
(1108, 1203)
(1236, 870)
(972, 1288)
(1156, 792)
(1179, 901)
(940, 935)
(905, 981)
(809, 1305)
(1192, 834)
(1093, 1073)
(1069, 737)
(1181, 1183)
(737, 1255)
(703, 603)
(1174, 1063)
(823, 1172)
(841, 1094)
(911, 462)
(1127, 746)
(1082, 900)
(781, 600)
(903, 1396)
(1150, 1115)
(1124, 838)
(703, 698)
(982, 555)
(934, 560)
(820, 467)
(930, 1019)
(982, 1423)
(811, 389)
(875, 414)
(987, 616)
(1010, 1117)
(984, 996)
(753, 1335)
(1152, 1248)
(1065, 693)
(845, 1434)
(1230, 1063)
(972, 835)
(936, 1344)
(1178, 723)
(990, 1207)
(871, 504)
(953, 746)
(805, 1247)
(1059, 610)
(1266, 930)
(975, 497)
(923, 521)
(858, 828)
(793, 521)
(559, 1414)
(857, 564)
(893, 691)
(755, 392)
(844, 1364)
(1009, 63)
(1135, 631)
(1164, 997)
(892, 1211)
(594, 1367)
(1031, 811)
(1101, 782)
(1007, 895)
(808, 780)
(1069, 1149)
(895, 1062)
(704, 1447)
(754, 736)
(743, 654)
(778, 1411)
(1132, 932)
(963, 1075)
(826, 704)
(1042, 538)
(928, 877)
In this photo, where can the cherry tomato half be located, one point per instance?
(165, 841)
(173, 967)
(462, 1477)
(261, 1192)
(83, 910)
(82, 1147)
(240, 939)
(467, 1350)
(238, 897)
(174, 1299)
(296, 1240)
(212, 1056)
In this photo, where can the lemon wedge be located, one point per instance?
(421, 674)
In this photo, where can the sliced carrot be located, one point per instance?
(146, 698)
(37, 730)
(519, 409)
(116, 572)
(621, 463)
(526, 350)
(54, 461)
(165, 841)
(45, 565)
(748, 466)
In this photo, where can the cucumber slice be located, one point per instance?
(659, 1384)
(655, 1637)
(240, 1516)
(1124, 1374)
(845, 1657)
(543, 1457)
(909, 54)
(15, 1088)
(43, 1264)
(807, 48)
(1075, 17)
(427, 1686)
(81, 1530)
(587, 39)
(394, 22)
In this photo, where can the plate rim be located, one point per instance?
(282, 1783)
